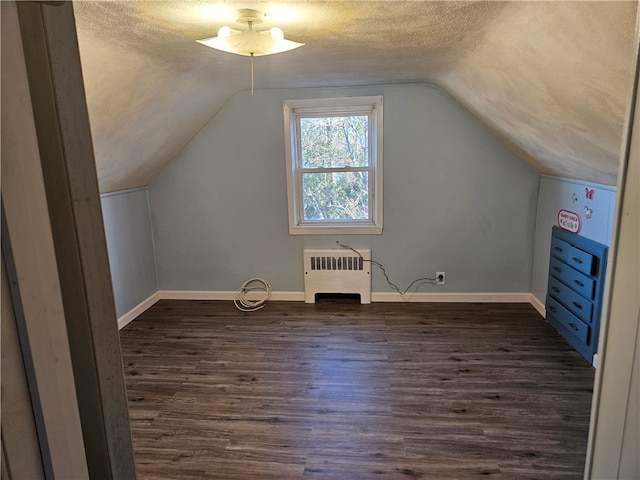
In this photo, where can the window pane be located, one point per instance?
(334, 142)
(335, 196)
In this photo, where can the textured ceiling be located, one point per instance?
(550, 78)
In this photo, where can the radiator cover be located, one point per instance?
(337, 271)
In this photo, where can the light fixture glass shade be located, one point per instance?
(250, 42)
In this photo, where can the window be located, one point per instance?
(334, 165)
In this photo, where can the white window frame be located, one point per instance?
(294, 110)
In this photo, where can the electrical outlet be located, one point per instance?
(441, 278)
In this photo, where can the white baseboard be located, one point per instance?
(227, 295)
(375, 296)
(132, 314)
(538, 305)
(424, 297)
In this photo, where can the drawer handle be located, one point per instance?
(576, 259)
(552, 309)
(573, 326)
(577, 305)
(558, 249)
(557, 269)
(555, 289)
(579, 283)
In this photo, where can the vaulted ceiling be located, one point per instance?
(552, 79)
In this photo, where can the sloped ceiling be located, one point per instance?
(552, 79)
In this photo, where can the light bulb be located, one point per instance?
(224, 32)
(277, 34)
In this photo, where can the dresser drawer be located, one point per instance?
(572, 323)
(560, 248)
(573, 256)
(580, 260)
(576, 303)
(576, 280)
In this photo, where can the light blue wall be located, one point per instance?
(455, 200)
(127, 225)
(595, 211)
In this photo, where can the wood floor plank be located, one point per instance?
(348, 391)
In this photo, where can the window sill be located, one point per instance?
(335, 230)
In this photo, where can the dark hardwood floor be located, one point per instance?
(349, 391)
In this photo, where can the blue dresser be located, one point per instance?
(577, 268)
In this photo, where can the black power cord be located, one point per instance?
(386, 276)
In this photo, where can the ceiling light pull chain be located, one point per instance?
(250, 23)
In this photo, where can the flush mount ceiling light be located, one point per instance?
(250, 42)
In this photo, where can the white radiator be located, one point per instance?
(337, 270)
